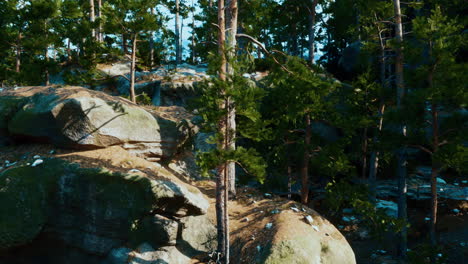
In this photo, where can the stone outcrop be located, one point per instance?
(296, 241)
(83, 119)
(99, 212)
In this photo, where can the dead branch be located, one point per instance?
(264, 49)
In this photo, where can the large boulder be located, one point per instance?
(91, 209)
(145, 254)
(8, 107)
(297, 241)
(197, 234)
(84, 119)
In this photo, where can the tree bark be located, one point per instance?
(132, 69)
(99, 36)
(222, 181)
(177, 34)
(289, 181)
(305, 163)
(193, 34)
(364, 153)
(401, 154)
(293, 38)
(434, 171)
(92, 17)
(124, 43)
(374, 158)
(47, 75)
(151, 45)
(18, 53)
(46, 55)
(435, 167)
(69, 56)
(312, 15)
(231, 20)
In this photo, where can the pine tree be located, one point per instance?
(440, 95)
(307, 100)
(134, 19)
(401, 154)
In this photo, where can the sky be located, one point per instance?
(187, 30)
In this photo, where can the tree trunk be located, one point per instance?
(401, 154)
(289, 182)
(181, 48)
(92, 17)
(18, 54)
(293, 49)
(435, 167)
(47, 75)
(312, 31)
(151, 45)
(305, 163)
(46, 57)
(222, 181)
(374, 158)
(177, 34)
(434, 171)
(124, 44)
(69, 56)
(232, 8)
(364, 153)
(193, 34)
(132, 69)
(99, 36)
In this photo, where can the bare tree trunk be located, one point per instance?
(177, 34)
(374, 158)
(18, 53)
(294, 49)
(289, 181)
(312, 31)
(401, 154)
(92, 17)
(99, 36)
(151, 45)
(69, 56)
(364, 153)
(46, 55)
(305, 163)
(435, 167)
(222, 181)
(220, 211)
(231, 46)
(434, 171)
(181, 48)
(132, 69)
(193, 34)
(124, 44)
(47, 75)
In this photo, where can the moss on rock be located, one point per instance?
(8, 107)
(24, 196)
(91, 209)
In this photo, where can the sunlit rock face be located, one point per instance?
(79, 118)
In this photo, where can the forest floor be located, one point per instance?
(252, 210)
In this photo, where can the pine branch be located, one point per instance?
(422, 148)
(264, 49)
